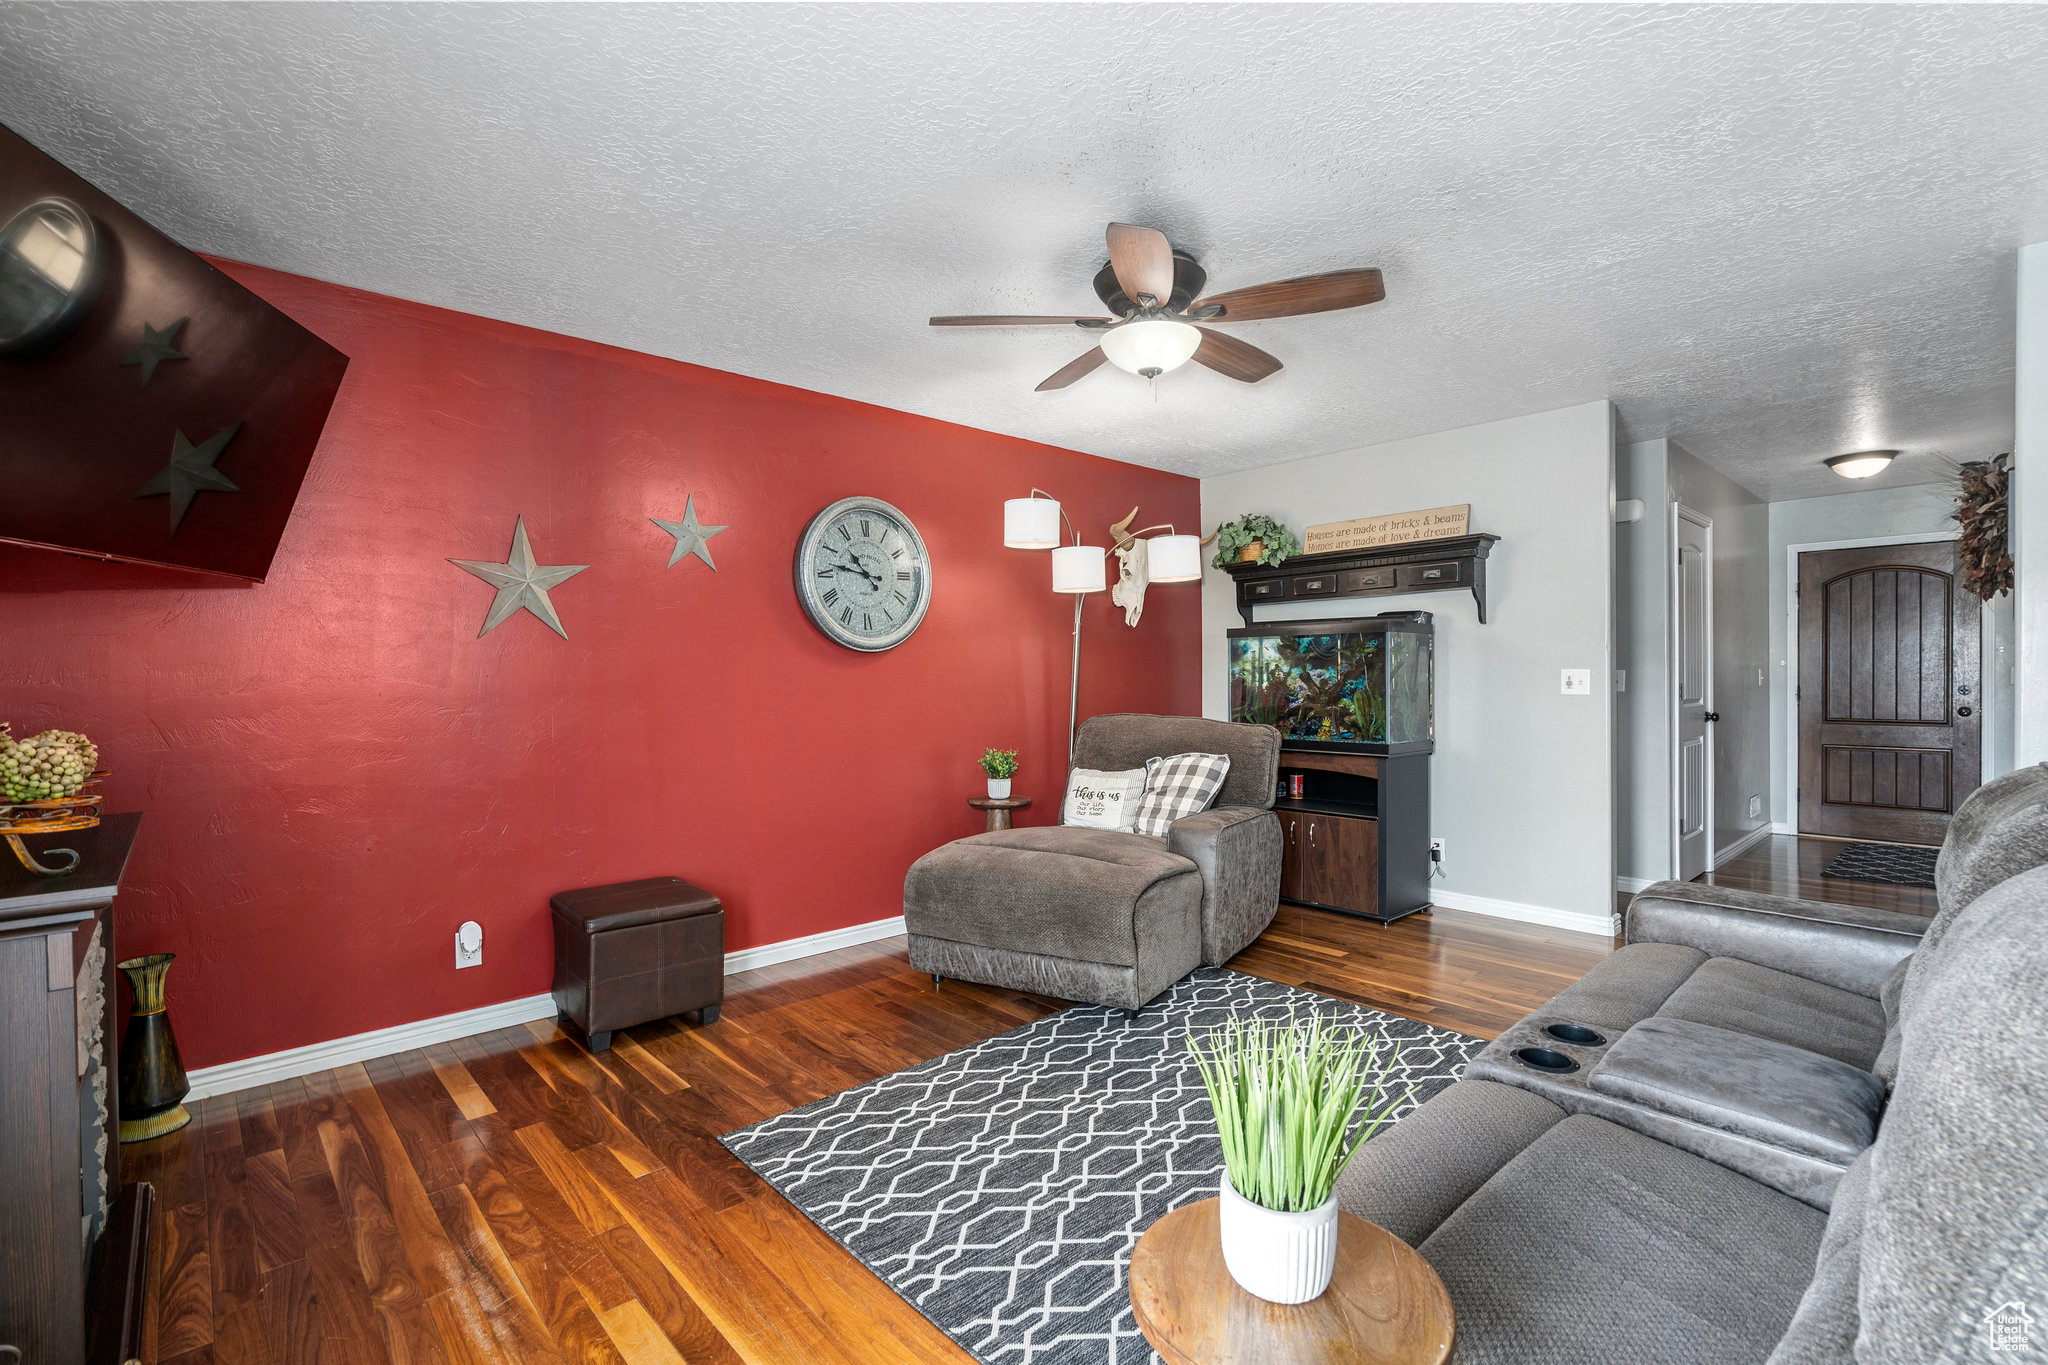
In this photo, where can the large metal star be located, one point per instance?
(521, 583)
(190, 470)
(156, 348)
(690, 534)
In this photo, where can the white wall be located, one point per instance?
(1845, 516)
(1522, 781)
(1662, 473)
(2030, 509)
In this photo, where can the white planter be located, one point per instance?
(999, 789)
(1281, 1257)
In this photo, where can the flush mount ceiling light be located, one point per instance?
(1861, 464)
(1151, 346)
(1156, 294)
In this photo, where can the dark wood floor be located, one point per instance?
(509, 1198)
(1785, 865)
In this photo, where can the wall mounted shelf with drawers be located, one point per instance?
(1458, 562)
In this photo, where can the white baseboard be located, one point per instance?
(250, 1072)
(1607, 926)
(1633, 884)
(1744, 844)
(1781, 827)
(790, 949)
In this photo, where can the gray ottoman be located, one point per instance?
(1079, 914)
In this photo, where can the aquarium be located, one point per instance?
(1365, 685)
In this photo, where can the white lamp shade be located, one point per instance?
(1031, 523)
(1174, 559)
(1150, 346)
(1078, 568)
(1862, 464)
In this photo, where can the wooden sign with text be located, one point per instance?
(1364, 533)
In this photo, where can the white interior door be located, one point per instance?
(1692, 676)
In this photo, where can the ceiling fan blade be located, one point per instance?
(1074, 369)
(1290, 298)
(1142, 260)
(1024, 320)
(1228, 356)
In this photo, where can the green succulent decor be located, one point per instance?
(1285, 1096)
(999, 763)
(1276, 542)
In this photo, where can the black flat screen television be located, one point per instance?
(151, 409)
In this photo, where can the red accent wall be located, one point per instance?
(336, 771)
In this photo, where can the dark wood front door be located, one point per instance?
(1890, 711)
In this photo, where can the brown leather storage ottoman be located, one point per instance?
(636, 952)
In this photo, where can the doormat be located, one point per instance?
(1000, 1188)
(1893, 864)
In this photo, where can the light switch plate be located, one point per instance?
(1621, 680)
(1577, 682)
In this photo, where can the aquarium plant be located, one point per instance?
(1254, 539)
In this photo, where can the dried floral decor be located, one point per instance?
(1983, 494)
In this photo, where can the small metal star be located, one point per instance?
(690, 534)
(156, 348)
(190, 471)
(521, 583)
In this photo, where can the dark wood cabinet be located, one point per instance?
(1357, 839)
(72, 1238)
(1419, 566)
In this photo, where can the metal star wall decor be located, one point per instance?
(521, 583)
(156, 348)
(690, 534)
(190, 472)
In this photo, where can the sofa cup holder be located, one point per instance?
(1546, 1060)
(1578, 1034)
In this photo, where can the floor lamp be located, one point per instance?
(1033, 523)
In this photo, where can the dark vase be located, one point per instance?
(153, 1084)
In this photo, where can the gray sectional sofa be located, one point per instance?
(1103, 916)
(1806, 1133)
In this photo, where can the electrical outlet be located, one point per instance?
(1577, 682)
(1756, 806)
(469, 945)
(1436, 850)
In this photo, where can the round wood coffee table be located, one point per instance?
(1385, 1305)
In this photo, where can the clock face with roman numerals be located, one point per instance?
(863, 574)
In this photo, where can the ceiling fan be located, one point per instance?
(1156, 294)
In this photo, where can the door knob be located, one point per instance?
(1711, 715)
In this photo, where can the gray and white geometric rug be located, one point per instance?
(1000, 1188)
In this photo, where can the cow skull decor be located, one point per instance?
(1179, 561)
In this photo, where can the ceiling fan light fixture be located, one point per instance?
(1151, 346)
(1861, 464)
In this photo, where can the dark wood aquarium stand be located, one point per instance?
(73, 1239)
(1357, 840)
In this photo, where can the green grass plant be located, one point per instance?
(1285, 1097)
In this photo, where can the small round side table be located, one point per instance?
(1385, 1304)
(998, 811)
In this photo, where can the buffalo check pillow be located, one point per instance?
(1178, 786)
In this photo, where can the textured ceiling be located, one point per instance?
(1771, 233)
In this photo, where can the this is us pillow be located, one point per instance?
(1100, 800)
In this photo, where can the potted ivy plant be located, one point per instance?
(1000, 765)
(1285, 1097)
(1253, 539)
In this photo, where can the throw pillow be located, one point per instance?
(1178, 786)
(1100, 800)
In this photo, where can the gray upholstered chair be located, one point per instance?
(1102, 916)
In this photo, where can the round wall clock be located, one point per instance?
(863, 574)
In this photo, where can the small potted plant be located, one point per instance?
(1284, 1097)
(1001, 766)
(1253, 539)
